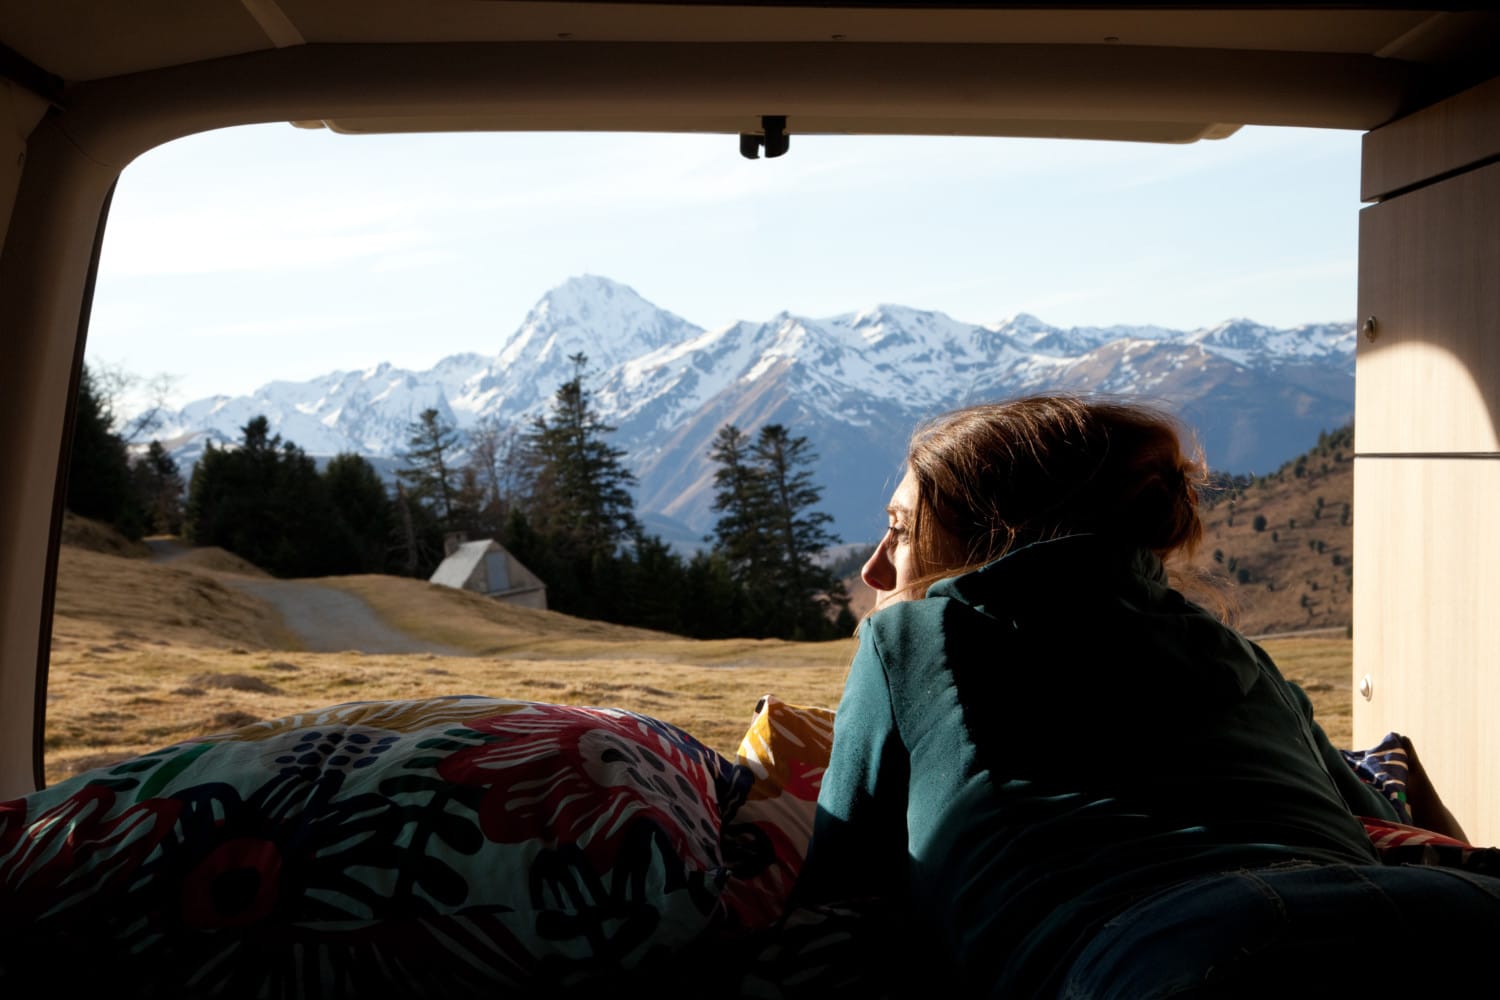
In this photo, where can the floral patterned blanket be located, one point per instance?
(432, 846)
(436, 844)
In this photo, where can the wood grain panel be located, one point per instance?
(1427, 622)
(1454, 134)
(1429, 275)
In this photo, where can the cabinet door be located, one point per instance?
(1427, 475)
(1427, 622)
(1429, 278)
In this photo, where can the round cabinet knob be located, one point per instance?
(1366, 687)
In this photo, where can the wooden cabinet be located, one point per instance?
(1427, 437)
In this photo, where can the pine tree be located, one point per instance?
(743, 548)
(416, 541)
(743, 501)
(769, 537)
(808, 595)
(159, 489)
(431, 472)
(655, 587)
(266, 503)
(713, 602)
(304, 539)
(363, 512)
(253, 532)
(100, 485)
(467, 516)
(230, 492)
(580, 489)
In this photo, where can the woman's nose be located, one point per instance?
(878, 573)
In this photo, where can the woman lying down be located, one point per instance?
(1076, 782)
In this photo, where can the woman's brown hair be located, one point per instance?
(1000, 475)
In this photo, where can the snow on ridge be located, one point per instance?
(588, 313)
(872, 326)
(1022, 321)
(654, 367)
(699, 368)
(1246, 342)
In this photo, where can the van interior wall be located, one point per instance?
(17, 108)
(43, 281)
(20, 111)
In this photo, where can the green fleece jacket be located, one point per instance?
(1038, 744)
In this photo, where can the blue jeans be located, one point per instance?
(1301, 929)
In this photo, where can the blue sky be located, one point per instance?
(241, 256)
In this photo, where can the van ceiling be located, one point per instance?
(82, 40)
(1333, 65)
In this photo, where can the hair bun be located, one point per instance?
(1000, 475)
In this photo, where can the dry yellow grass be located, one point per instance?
(83, 533)
(488, 627)
(147, 654)
(105, 599)
(219, 560)
(107, 704)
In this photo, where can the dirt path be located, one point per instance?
(324, 619)
(166, 549)
(327, 620)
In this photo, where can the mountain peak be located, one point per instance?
(604, 319)
(587, 298)
(1233, 334)
(1023, 322)
(585, 287)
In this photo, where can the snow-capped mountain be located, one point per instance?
(853, 384)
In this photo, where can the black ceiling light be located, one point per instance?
(773, 138)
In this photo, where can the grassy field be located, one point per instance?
(145, 654)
